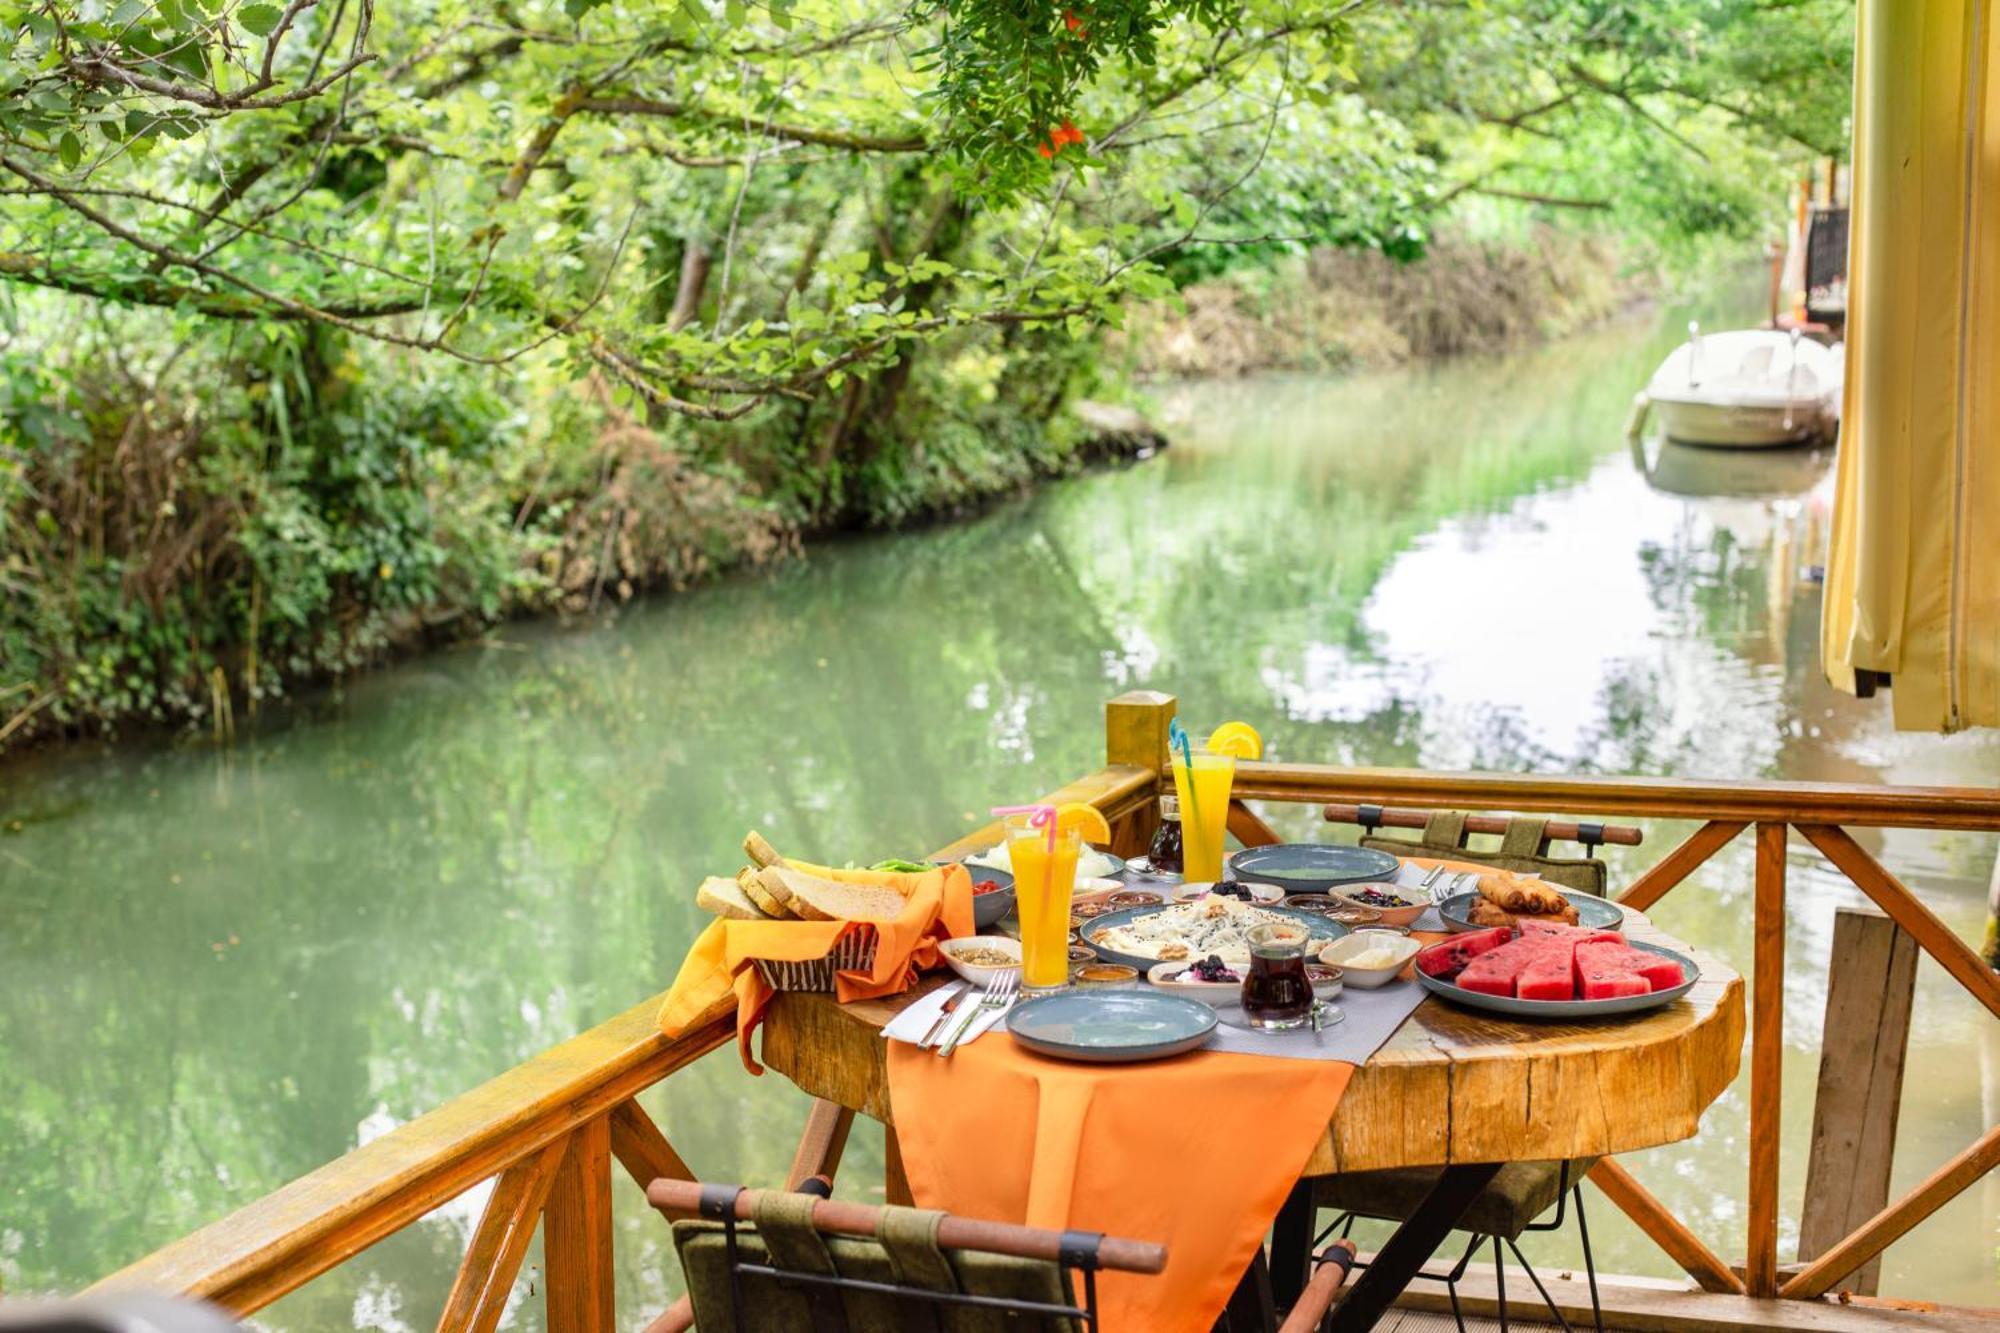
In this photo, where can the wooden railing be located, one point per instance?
(547, 1132)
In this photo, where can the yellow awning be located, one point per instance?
(1913, 571)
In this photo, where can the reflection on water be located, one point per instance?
(225, 968)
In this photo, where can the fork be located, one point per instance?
(999, 993)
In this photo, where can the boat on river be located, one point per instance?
(1746, 389)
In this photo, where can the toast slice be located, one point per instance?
(775, 884)
(769, 903)
(726, 898)
(818, 899)
(760, 852)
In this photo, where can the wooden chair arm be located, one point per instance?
(1329, 1272)
(1558, 830)
(682, 1198)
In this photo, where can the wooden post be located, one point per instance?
(1135, 734)
(822, 1144)
(576, 1235)
(1767, 1051)
(1872, 977)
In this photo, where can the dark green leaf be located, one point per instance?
(260, 19)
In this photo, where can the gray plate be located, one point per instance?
(1318, 927)
(1111, 1027)
(1592, 913)
(1312, 867)
(1570, 1010)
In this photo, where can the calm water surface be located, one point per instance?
(222, 968)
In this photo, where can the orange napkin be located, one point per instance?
(939, 908)
(1196, 1153)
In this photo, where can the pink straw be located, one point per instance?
(1039, 816)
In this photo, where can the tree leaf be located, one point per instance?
(70, 149)
(259, 19)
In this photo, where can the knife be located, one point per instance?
(953, 997)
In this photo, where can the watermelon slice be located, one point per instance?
(1488, 979)
(1449, 957)
(1531, 929)
(1597, 983)
(1660, 973)
(1496, 972)
(1550, 975)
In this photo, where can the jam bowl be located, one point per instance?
(1396, 905)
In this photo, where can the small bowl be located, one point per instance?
(979, 974)
(1133, 898)
(1104, 976)
(1214, 994)
(1320, 904)
(1327, 980)
(1090, 890)
(1081, 953)
(1259, 893)
(1085, 911)
(990, 909)
(1341, 951)
(1390, 916)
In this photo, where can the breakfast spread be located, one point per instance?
(1507, 899)
(1212, 925)
(1550, 961)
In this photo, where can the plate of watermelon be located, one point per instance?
(1553, 971)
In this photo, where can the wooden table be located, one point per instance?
(1453, 1087)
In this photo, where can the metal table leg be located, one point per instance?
(1414, 1242)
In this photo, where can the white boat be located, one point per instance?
(1746, 389)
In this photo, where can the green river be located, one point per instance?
(223, 967)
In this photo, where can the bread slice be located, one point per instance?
(774, 884)
(818, 899)
(760, 852)
(768, 902)
(725, 897)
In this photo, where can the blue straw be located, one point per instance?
(1177, 736)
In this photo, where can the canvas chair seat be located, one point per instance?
(903, 1251)
(1522, 1192)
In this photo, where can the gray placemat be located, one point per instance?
(1369, 1018)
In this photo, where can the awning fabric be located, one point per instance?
(1913, 571)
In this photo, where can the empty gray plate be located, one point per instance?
(1312, 867)
(1111, 1027)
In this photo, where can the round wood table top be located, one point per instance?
(1453, 1085)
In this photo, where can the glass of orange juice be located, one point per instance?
(1044, 878)
(1202, 780)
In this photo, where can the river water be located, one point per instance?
(223, 967)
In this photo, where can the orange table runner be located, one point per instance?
(1196, 1153)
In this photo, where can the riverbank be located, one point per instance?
(1339, 310)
